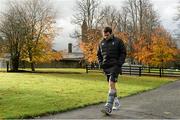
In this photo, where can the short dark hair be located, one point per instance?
(108, 29)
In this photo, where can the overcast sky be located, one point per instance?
(165, 8)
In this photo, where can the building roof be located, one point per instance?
(74, 55)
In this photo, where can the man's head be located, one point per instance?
(107, 32)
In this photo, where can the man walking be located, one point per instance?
(111, 55)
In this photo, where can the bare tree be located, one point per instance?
(122, 20)
(86, 10)
(141, 16)
(148, 19)
(109, 17)
(177, 20)
(137, 18)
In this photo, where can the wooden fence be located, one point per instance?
(142, 71)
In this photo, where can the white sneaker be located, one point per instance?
(116, 105)
(107, 109)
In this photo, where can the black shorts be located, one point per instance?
(112, 73)
(111, 77)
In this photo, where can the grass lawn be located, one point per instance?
(26, 95)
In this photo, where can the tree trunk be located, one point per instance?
(32, 67)
(31, 61)
(32, 64)
(15, 64)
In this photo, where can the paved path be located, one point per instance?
(161, 103)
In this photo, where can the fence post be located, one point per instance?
(139, 71)
(160, 72)
(130, 69)
(149, 68)
(7, 63)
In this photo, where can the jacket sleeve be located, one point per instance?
(99, 55)
(122, 56)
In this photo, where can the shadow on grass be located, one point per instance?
(45, 72)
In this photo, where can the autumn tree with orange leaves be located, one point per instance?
(90, 45)
(122, 35)
(164, 48)
(43, 52)
(142, 50)
(158, 51)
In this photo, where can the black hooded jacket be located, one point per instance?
(111, 52)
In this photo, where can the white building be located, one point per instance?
(4, 60)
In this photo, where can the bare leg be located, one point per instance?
(112, 85)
